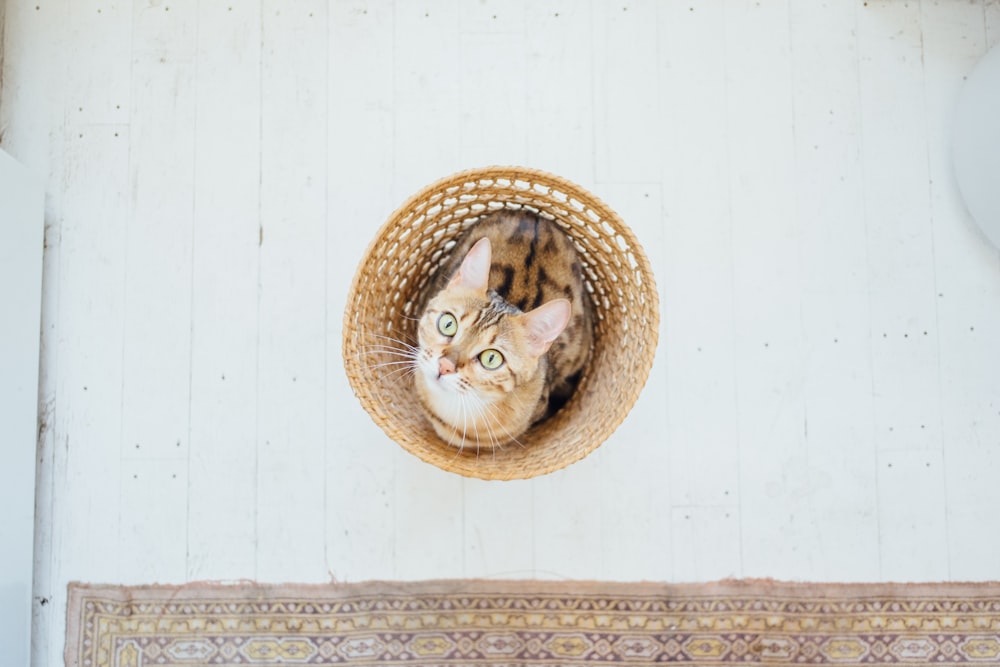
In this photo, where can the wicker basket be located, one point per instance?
(403, 257)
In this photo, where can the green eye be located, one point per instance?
(491, 359)
(447, 324)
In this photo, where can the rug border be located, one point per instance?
(335, 589)
(763, 588)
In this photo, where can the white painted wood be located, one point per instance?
(900, 242)
(903, 291)
(427, 99)
(705, 543)
(34, 39)
(696, 277)
(498, 529)
(767, 300)
(642, 547)
(559, 89)
(491, 90)
(223, 464)
(569, 522)
(838, 439)
(156, 383)
(291, 394)
(965, 269)
(429, 528)
(627, 130)
(913, 544)
(206, 209)
(85, 409)
(21, 210)
(98, 83)
(359, 473)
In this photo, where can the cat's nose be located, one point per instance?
(445, 366)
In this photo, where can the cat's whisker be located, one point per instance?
(397, 352)
(368, 356)
(483, 410)
(492, 415)
(397, 341)
(402, 366)
(397, 373)
(479, 438)
(461, 445)
(412, 343)
(374, 352)
(465, 427)
(408, 363)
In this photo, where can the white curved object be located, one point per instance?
(977, 145)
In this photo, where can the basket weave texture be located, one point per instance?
(403, 257)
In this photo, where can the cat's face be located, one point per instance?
(472, 345)
(475, 349)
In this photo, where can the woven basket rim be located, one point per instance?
(567, 436)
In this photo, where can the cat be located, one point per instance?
(504, 332)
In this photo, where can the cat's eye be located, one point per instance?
(447, 324)
(491, 359)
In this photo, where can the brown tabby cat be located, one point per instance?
(505, 333)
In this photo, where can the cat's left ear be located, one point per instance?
(545, 323)
(474, 273)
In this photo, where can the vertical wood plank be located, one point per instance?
(156, 547)
(900, 242)
(428, 521)
(569, 528)
(559, 89)
(158, 281)
(769, 347)
(494, 118)
(157, 328)
(427, 111)
(92, 229)
(829, 208)
(223, 502)
(911, 516)
(293, 244)
(698, 342)
(498, 529)
(360, 476)
(87, 423)
(705, 543)
(968, 298)
(627, 118)
(637, 540)
(902, 285)
(99, 75)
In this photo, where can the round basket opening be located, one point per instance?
(404, 256)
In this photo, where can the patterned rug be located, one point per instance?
(529, 623)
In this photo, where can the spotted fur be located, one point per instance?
(523, 297)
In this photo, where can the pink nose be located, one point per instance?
(445, 366)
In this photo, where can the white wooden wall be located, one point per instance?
(825, 402)
(21, 223)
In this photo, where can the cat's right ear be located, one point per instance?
(474, 273)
